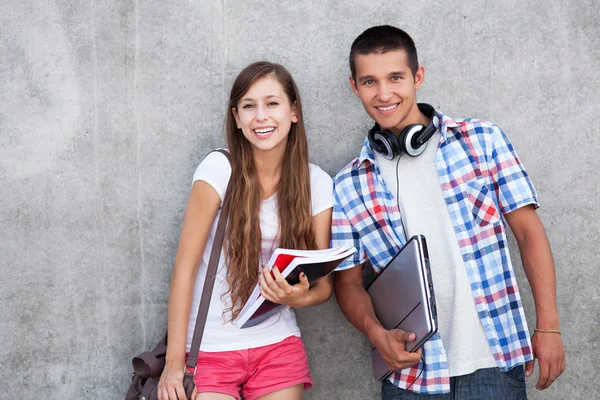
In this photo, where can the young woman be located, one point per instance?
(277, 200)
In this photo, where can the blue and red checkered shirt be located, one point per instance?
(481, 178)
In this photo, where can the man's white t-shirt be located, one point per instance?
(219, 334)
(424, 212)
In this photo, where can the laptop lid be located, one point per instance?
(403, 298)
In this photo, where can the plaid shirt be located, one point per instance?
(481, 178)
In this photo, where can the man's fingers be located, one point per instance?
(554, 373)
(415, 355)
(412, 358)
(529, 367)
(544, 375)
(402, 336)
(406, 359)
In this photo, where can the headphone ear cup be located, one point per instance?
(386, 147)
(384, 142)
(407, 139)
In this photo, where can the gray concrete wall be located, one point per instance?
(107, 107)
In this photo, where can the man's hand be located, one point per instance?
(548, 349)
(391, 344)
(276, 289)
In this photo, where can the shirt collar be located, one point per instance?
(366, 153)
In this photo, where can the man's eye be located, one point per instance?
(369, 82)
(396, 78)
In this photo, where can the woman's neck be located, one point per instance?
(268, 168)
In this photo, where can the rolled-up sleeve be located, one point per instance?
(511, 182)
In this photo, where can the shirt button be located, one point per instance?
(443, 351)
(468, 256)
(456, 229)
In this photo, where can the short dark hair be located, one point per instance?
(381, 39)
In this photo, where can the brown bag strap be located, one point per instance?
(211, 273)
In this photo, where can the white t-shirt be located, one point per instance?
(424, 212)
(220, 335)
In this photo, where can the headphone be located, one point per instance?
(412, 140)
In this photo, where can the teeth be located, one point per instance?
(265, 130)
(387, 108)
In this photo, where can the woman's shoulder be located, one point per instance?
(321, 187)
(318, 177)
(215, 170)
(214, 161)
(317, 172)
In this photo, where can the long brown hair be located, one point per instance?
(294, 203)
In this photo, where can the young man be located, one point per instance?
(454, 188)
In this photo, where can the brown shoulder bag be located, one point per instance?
(149, 365)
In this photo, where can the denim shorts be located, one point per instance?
(488, 383)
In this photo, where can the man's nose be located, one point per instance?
(384, 93)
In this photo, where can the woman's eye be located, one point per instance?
(247, 106)
(273, 103)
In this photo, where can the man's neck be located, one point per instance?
(415, 116)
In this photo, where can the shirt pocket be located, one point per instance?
(482, 204)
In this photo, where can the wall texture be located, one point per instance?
(107, 107)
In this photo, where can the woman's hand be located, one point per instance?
(170, 385)
(276, 289)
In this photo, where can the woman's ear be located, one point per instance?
(237, 118)
(294, 114)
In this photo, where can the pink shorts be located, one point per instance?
(254, 372)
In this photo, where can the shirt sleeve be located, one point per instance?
(321, 190)
(214, 170)
(343, 233)
(511, 182)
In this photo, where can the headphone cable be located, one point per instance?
(420, 372)
(398, 199)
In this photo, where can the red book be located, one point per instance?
(314, 263)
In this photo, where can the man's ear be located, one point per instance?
(294, 115)
(353, 85)
(419, 77)
(237, 118)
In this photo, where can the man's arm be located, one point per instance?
(355, 303)
(539, 268)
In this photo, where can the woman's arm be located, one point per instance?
(279, 291)
(200, 214)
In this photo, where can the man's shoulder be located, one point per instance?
(473, 126)
(344, 175)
